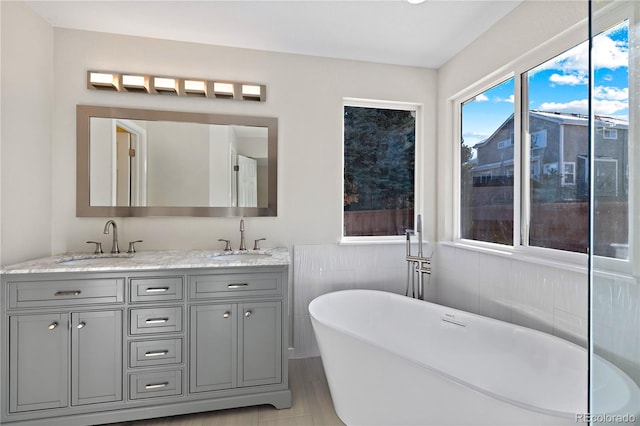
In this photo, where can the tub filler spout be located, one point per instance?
(416, 265)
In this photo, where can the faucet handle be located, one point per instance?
(98, 244)
(256, 245)
(132, 247)
(227, 246)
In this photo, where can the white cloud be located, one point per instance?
(600, 106)
(608, 53)
(509, 100)
(578, 106)
(481, 98)
(608, 107)
(569, 79)
(612, 93)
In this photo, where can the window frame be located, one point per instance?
(609, 133)
(572, 173)
(419, 165)
(517, 70)
(522, 144)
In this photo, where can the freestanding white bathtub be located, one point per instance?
(393, 360)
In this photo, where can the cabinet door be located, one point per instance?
(38, 361)
(96, 357)
(260, 343)
(213, 344)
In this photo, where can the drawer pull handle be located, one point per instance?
(53, 325)
(247, 314)
(239, 285)
(81, 324)
(157, 320)
(226, 314)
(68, 293)
(157, 289)
(156, 385)
(157, 353)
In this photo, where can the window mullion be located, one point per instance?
(522, 203)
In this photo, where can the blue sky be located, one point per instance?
(560, 85)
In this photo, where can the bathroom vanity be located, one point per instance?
(98, 339)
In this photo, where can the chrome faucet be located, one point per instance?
(114, 248)
(419, 264)
(243, 246)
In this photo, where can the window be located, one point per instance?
(558, 130)
(486, 154)
(569, 174)
(609, 133)
(543, 201)
(379, 168)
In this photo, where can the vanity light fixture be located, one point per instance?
(223, 90)
(135, 83)
(251, 91)
(195, 87)
(102, 80)
(165, 85)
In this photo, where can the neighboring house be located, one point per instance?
(559, 182)
(559, 156)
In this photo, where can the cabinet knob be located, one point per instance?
(81, 324)
(247, 314)
(226, 314)
(53, 325)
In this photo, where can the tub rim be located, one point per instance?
(313, 307)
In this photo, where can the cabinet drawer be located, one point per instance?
(155, 384)
(155, 289)
(235, 285)
(27, 294)
(155, 352)
(156, 320)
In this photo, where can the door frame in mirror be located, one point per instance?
(85, 209)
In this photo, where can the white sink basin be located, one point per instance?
(233, 257)
(91, 261)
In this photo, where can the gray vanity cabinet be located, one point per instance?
(96, 347)
(38, 377)
(260, 344)
(213, 337)
(235, 345)
(39, 356)
(96, 357)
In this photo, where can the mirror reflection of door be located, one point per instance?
(124, 152)
(129, 166)
(247, 182)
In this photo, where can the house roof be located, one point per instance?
(563, 118)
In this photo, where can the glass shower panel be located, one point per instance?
(614, 168)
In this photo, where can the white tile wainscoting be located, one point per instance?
(320, 269)
(616, 321)
(535, 295)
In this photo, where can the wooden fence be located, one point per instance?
(377, 222)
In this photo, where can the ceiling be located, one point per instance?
(391, 31)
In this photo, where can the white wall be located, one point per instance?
(27, 95)
(304, 93)
(176, 148)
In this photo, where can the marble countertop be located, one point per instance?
(149, 260)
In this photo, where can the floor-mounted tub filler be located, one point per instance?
(393, 360)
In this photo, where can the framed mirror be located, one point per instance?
(138, 162)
